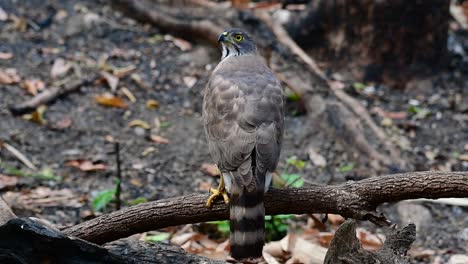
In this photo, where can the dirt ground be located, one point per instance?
(86, 34)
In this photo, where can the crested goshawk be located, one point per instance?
(243, 113)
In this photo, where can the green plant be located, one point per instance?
(44, 174)
(276, 226)
(158, 237)
(223, 226)
(297, 163)
(419, 112)
(346, 168)
(103, 198)
(294, 180)
(138, 200)
(359, 86)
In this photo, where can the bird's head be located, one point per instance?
(236, 42)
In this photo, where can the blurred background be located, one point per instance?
(391, 76)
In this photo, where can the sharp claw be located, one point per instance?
(215, 194)
(225, 197)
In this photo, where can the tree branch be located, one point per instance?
(357, 200)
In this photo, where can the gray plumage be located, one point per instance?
(243, 116)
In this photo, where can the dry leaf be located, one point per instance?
(6, 55)
(181, 239)
(111, 80)
(62, 124)
(50, 50)
(336, 84)
(86, 165)
(110, 100)
(60, 68)
(325, 238)
(240, 3)
(335, 219)
(274, 248)
(109, 138)
(302, 251)
(159, 140)
(421, 253)
(210, 169)
(3, 14)
(182, 44)
(87, 214)
(41, 197)
(7, 182)
(463, 157)
(37, 116)
(9, 76)
(269, 258)
(148, 151)
(129, 94)
(152, 104)
(139, 123)
(316, 223)
(153, 64)
(139, 81)
(136, 182)
(369, 241)
(396, 115)
(189, 81)
(204, 186)
(121, 72)
(316, 158)
(33, 86)
(61, 15)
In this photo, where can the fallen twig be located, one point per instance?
(119, 176)
(357, 200)
(19, 156)
(49, 95)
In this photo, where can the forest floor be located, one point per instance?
(156, 118)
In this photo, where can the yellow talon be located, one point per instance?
(221, 191)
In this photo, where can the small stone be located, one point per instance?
(139, 131)
(414, 213)
(458, 259)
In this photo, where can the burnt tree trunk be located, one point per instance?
(386, 36)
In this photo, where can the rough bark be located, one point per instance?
(357, 200)
(160, 253)
(25, 240)
(393, 37)
(345, 248)
(321, 102)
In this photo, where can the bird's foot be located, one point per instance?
(221, 191)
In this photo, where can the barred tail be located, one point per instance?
(247, 224)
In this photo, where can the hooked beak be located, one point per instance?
(222, 37)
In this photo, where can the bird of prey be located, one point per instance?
(243, 114)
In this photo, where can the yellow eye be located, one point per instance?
(238, 37)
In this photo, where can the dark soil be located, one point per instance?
(156, 171)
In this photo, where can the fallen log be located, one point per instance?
(354, 199)
(28, 240)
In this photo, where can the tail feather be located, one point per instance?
(247, 224)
